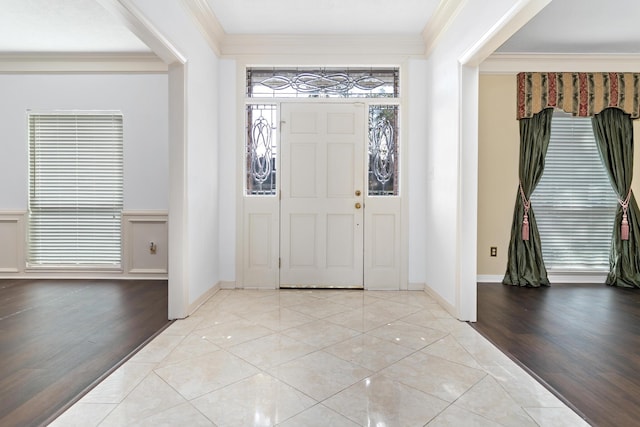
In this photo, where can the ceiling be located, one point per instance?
(323, 16)
(70, 26)
(580, 26)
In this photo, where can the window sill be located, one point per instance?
(80, 269)
(577, 276)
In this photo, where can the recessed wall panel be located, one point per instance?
(384, 240)
(259, 240)
(9, 248)
(146, 242)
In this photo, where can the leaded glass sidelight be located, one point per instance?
(383, 150)
(261, 149)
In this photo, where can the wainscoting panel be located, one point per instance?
(260, 246)
(145, 242)
(382, 264)
(12, 239)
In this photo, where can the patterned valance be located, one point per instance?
(581, 94)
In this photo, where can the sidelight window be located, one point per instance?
(383, 150)
(261, 149)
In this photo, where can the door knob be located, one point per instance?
(358, 192)
(358, 205)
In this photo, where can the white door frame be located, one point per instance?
(258, 218)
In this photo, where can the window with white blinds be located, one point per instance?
(75, 189)
(574, 203)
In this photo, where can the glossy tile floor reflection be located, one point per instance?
(319, 358)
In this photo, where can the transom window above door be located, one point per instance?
(322, 82)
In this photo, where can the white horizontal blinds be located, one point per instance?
(574, 203)
(75, 189)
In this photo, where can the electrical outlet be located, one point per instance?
(494, 251)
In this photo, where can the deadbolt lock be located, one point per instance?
(358, 192)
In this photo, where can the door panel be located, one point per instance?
(340, 179)
(340, 239)
(321, 241)
(303, 240)
(303, 175)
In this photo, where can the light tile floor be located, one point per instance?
(319, 358)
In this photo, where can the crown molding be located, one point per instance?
(439, 22)
(316, 44)
(81, 63)
(259, 45)
(207, 22)
(513, 63)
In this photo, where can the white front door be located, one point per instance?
(322, 195)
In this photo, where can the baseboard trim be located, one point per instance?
(577, 277)
(443, 303)
(415, 286)
(554, 277)
(227, 285)
(80, 276)
(202, 299)
(489, 278)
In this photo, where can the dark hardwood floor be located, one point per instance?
(58, 338)
(583, 341)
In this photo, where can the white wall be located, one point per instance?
(143, 102)
(451, 218)
(415, 157)
(202, 176)
(227, 171)
(199, 195)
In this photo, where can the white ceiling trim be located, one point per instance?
(232, 45)
(82, 63)
(207, 22)
(511, 22)
(138, 24)
(510, 63)
(235, 45)
(439, 23)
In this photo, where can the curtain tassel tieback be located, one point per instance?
(525, 219)
(624, 226)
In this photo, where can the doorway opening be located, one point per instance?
(322, 201)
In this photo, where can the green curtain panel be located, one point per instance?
(525, 266)
(613, 129)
